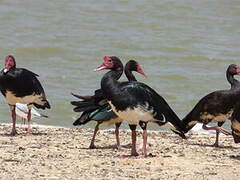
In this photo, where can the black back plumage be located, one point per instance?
(20, 83)
(137, 94)
(96, 107)
(125, 95)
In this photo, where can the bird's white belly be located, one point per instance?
(133, 116)
(12, 99)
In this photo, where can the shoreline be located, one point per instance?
(62, 153)
(196, 129)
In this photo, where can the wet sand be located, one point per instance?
(62, 153)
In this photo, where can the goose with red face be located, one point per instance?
(19, 85)
(96, 108)
(136, 103)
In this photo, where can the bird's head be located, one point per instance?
(10, 63)
(233, 69)
(133, 65)
(110, 62)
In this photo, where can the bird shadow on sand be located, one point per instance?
(150, 155)
(39, 134)
(210, 145)
(127, 146)
(24, 134)
(237, 157)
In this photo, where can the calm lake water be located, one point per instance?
(183, 46)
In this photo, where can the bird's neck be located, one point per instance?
(188, 123)
(130, 75)
(234, 82)
(109, 82)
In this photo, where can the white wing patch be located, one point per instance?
(133, 116)
(141, 113)
(164, 119)
(34, 98)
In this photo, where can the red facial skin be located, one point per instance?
(107, 64)
(238, 70)
(9, 63)
(139, 70)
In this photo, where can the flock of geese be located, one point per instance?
(131, 101)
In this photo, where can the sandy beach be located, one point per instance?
(62, 153)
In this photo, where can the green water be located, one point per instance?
(183, 46)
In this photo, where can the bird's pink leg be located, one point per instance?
(14, 131)
(218, 130)
(29, 131)
(144, 148)
(92, 146)
(117, 135)
(134, 140)
(217, 139)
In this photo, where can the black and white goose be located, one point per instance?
(217, 106)
(103, 112)
(136, 102)
(19, 85)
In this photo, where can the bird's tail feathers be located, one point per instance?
(43, 115)
(83, 109)
(180, 133)
(82, 97)
(175, 129)
(83, 119)
(172, 117)
(82, 103)
(45, 104)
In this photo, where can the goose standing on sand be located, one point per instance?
(136, 103)
(19, 85)
(217, 106)
(103, 112)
